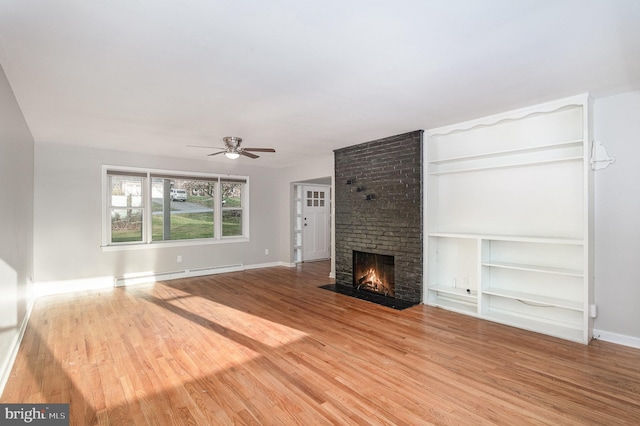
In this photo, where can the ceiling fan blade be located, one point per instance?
(248, 154)
(259, 149)
(203, 146)
(215, 153)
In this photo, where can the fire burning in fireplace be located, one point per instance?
(374, 272)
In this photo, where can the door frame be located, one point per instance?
(296, 219)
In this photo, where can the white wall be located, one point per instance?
(16, 222)
(617, 219)
(68, 207)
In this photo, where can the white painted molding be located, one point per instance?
(620, 339)
(270, 265)
(7, 364)
(50, 288)
(152, 276)
(578, 100)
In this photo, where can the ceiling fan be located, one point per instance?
(233, 149)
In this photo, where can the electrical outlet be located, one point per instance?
(266, 251)
(179, 258)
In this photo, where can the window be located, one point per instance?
(126, 207)
(183, 209)
(232, 207)
(146, 207)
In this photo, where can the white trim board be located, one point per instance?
(6, 365)
(620, 339)
(51, 288)
(152, 277)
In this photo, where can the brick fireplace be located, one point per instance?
(378, 205)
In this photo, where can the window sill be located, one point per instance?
(169, 244)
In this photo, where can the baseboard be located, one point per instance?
(152, 277)
(50, 288)
(104, 283)
(270, 265)
(620, 339)
(7, 364)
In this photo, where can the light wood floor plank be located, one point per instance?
(268, 347)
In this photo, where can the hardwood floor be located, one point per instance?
(268, 347)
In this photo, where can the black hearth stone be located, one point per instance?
(380, 299)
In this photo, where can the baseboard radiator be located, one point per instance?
(153, 277)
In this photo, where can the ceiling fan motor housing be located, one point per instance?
(232, 141)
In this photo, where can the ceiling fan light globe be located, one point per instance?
(231, 155)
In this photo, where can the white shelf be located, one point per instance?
(535, 299)
(458, 292)
(455, 305)
(514, 238)
(533, 268)
(509, 204)
(556, 330)
(506, 166)
(504, 153)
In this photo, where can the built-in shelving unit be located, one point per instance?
(297, 223)
(509, 218)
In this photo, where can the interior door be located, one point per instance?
(315, 222)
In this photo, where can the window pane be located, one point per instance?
(182, 209)
(232, 194)
(126, 225)
(231, 223)
(183, 226)
(126, 191)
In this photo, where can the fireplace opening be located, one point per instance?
(374, 272)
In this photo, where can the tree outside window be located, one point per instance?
(176, 220)
(232, 208)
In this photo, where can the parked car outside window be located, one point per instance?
(178, 195)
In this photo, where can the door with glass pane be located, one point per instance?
(315, 221)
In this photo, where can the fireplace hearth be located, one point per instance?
(369, 296)
(373, 281)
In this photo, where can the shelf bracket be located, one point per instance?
(600, 158)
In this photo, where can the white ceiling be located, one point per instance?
(302, 76)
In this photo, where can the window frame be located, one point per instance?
(147, 237)
(242, 208)
(110, 207)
